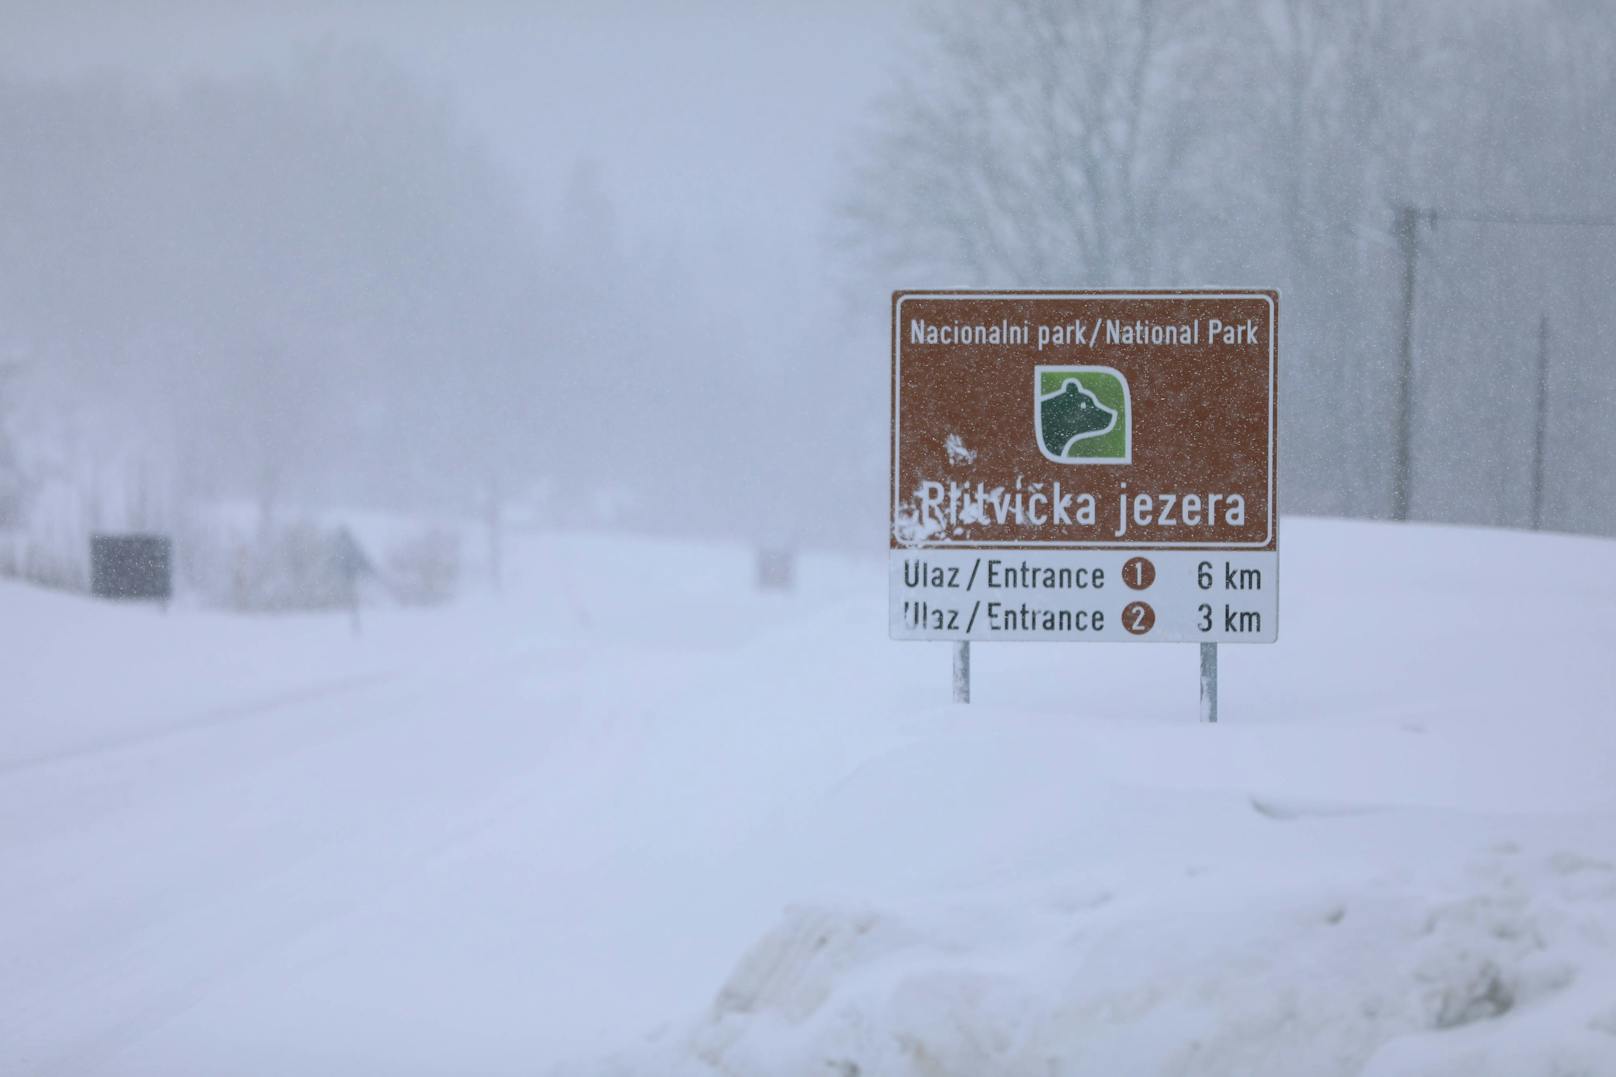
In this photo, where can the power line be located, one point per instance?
(1547, 220)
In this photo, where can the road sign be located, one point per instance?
(131, 566)
(1084, 466)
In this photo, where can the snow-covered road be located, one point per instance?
(632, 816)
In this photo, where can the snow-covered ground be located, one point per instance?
(633, 817)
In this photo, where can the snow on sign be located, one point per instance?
(1084, 466)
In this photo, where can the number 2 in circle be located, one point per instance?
(1138, 617)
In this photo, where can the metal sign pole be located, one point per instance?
(1209, 682)
(962, 671)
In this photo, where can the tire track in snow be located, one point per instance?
(255, 910)
(206, 720)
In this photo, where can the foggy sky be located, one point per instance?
(717, 125)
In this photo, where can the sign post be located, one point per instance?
(1209, 682)
(962, 671)
(1085, 466)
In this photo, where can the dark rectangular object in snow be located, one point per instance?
(776, 568)
(131, 566)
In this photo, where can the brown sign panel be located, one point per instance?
(1084, 420)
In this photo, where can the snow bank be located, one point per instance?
(1396, 857)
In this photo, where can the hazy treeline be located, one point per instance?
(1269, 143)
(315, 286)
(266, 287)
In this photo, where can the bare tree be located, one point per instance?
(1042, 141)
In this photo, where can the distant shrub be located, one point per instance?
(36, 561)
(296, 567)
(424, 569)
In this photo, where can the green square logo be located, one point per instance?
(1082, 414)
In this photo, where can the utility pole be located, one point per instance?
(496, 533)
(1540, 435)
(1407, 227)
